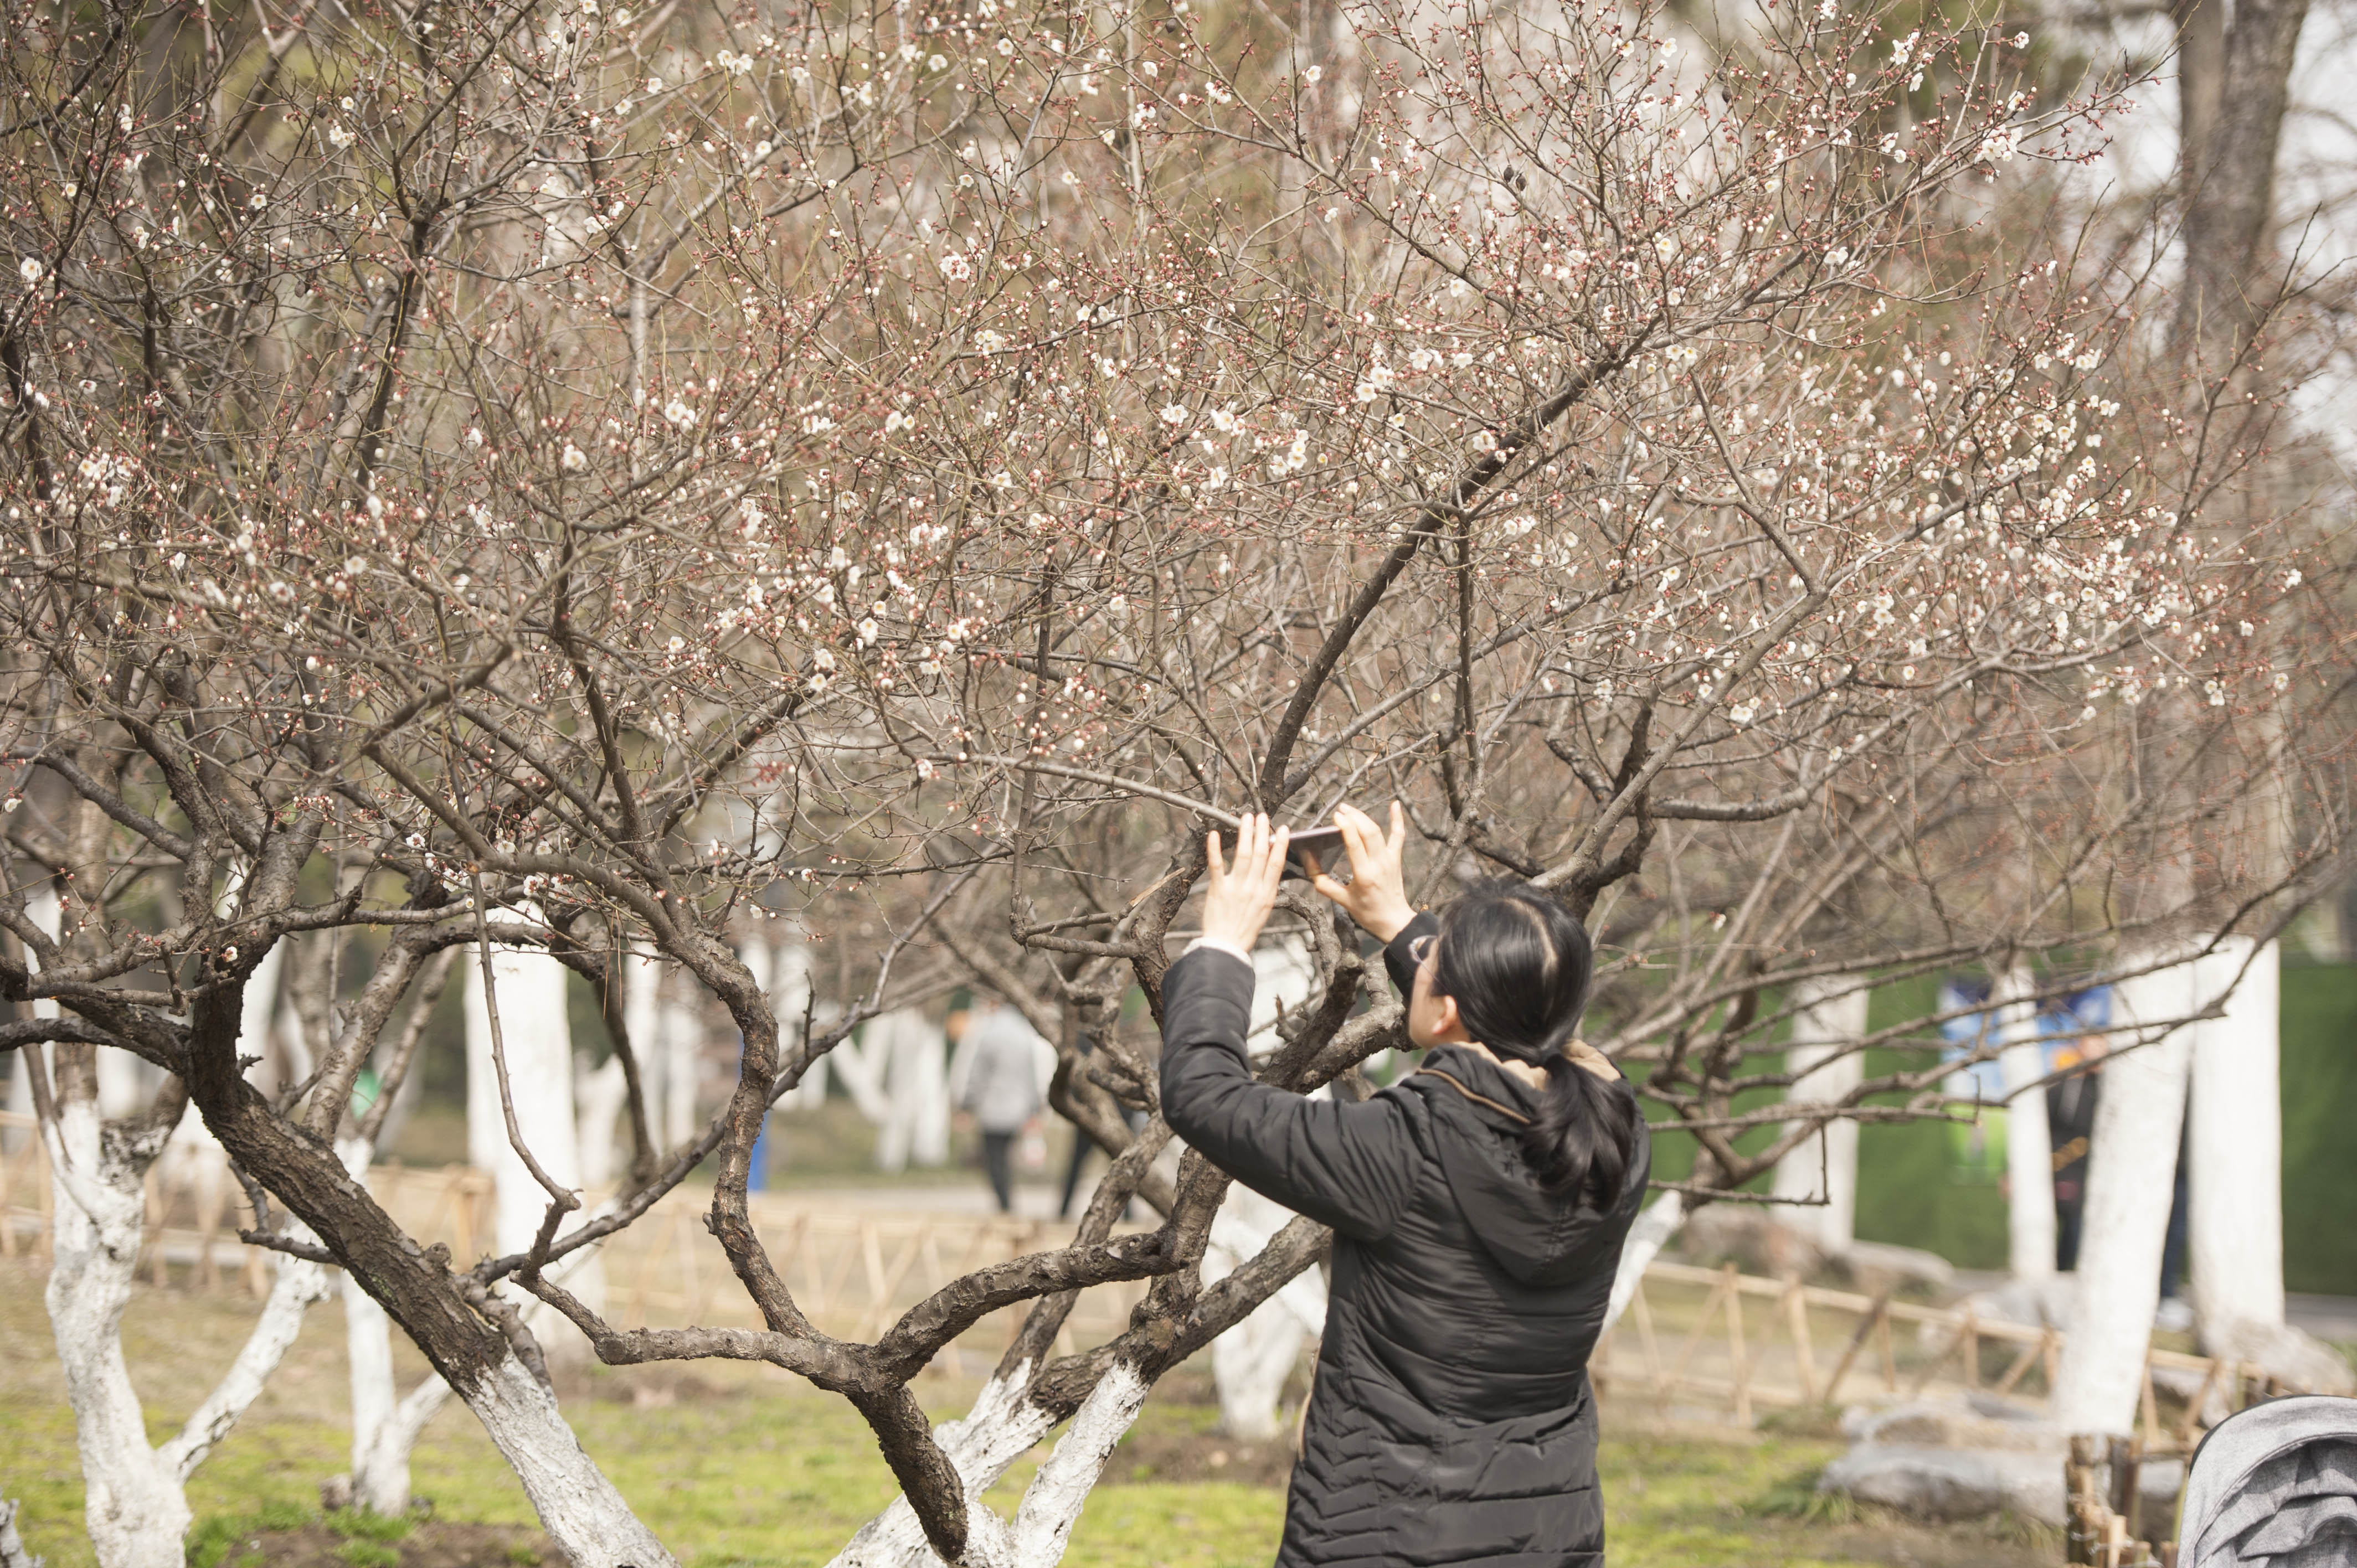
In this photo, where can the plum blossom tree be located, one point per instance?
(558, 479)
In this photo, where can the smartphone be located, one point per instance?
(1325, 843)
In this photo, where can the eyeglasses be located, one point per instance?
(1420, 948)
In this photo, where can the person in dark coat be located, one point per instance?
(1478, 1209)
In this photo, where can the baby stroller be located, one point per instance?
(2274, 1487)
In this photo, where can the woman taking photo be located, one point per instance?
(1477, 1208)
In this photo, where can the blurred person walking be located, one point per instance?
(999, 1079)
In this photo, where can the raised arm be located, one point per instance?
(1344, 1166)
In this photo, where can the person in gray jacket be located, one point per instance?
(1478, 1209)
(996, 1080)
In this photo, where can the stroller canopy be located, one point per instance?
(2274, 1487)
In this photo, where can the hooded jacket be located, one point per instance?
(1451, 1419)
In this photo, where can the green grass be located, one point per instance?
(779, 1475)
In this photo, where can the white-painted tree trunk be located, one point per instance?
(2234, 1207)
(860, 1062)
(384, 1427)
(587, 1518)
(599, 1096)
(643, 1017)
(1654, 1227)
(538, 1041)
(2029, 1141)
(1830, 1017)
(915, 1063)
(1251, 1361)
(134, 1509)
(786, 981)
(681, 1061)
(135, 1506)
(2131, 1175)
(1001, 1428)
(12, 1545)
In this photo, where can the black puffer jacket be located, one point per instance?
(1451, 1419)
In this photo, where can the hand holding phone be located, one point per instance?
(1376, 895)
(1240, 891)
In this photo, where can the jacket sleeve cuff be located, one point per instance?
(1398, 962)
(1217, 944)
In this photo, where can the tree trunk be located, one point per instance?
(2028, 1140)
(538, 1042)
(1654, 1227)
(12, 1545)
(134, 1504)
(385, 1429)
(681, 1062)
(2131, 1177)
(915, 1066)
(599, 1096)
(1001, 1428)
(2236, 89)
(2234, 1209)
(1251, 1361)
(41, 908)
(1831, 1018)
(578, 1505)
(642, 1013)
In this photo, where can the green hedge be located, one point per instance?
(1910, 1192)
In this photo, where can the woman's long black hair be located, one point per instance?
(1518, 963)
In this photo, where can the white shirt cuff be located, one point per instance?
(1217, 944)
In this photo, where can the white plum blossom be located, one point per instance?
(29, 269)
(679, 414)
(572, 460)
(1173, 416)
(955, 267)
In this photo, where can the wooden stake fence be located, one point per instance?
(1725, 1365)
(1710, 1345)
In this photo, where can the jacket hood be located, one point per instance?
(1539, 1238)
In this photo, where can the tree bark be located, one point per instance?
(2235, 89)
(385, 1426)
(578, 1505)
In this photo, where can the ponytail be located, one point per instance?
(1517, 964)
(1584, 1133)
